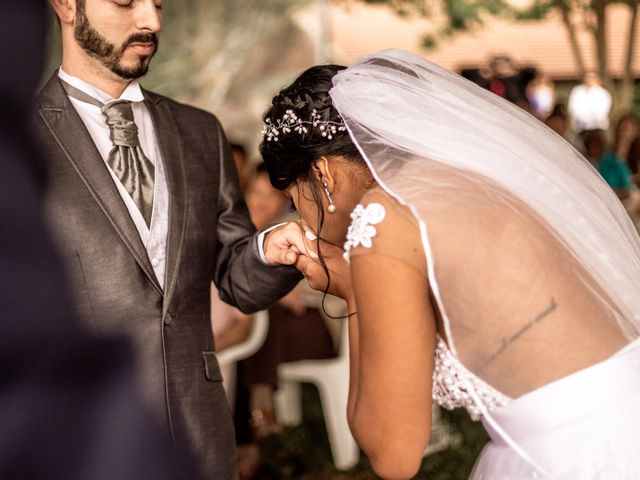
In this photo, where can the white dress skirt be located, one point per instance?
(585, 426)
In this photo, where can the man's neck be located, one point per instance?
(97, 76)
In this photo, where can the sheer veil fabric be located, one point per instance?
(533, 262)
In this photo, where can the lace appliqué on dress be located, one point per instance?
(454, 386)
(362, 229)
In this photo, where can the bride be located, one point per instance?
(486, 265)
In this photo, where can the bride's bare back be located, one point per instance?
(522, 311)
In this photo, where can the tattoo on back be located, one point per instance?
(506, 342)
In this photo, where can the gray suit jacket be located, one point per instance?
(210, 238)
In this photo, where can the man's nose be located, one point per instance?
(149, 17)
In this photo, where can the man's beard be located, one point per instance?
(99, 48)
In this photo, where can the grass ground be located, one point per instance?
(302, 453)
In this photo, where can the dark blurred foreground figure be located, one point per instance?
(69, 408)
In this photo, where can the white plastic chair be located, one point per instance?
(331, 377)
(442, 435)
(229, 357)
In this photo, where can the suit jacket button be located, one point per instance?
(168, 318)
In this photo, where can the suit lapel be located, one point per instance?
(67, 127)
(172, 150)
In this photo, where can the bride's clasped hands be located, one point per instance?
(310, 264)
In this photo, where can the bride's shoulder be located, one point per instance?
(380, 205)
(380, 224)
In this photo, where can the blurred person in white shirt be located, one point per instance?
(590, 104)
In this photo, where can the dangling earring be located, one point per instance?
(331, 208)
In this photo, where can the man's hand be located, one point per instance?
(283, 244)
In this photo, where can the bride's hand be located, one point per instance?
(309, 264)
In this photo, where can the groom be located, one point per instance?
(143, 201)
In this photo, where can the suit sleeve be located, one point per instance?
(242, 278)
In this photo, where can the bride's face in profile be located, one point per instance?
(333, 178)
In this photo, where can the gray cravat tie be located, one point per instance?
(126, 158)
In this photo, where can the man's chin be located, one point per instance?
(132, 69)
(131, 72)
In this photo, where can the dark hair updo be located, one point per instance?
(292, 154)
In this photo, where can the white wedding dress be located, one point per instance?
(583, 426)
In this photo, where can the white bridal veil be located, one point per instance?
(409, 117)
(485, 179)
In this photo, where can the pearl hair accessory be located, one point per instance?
(290, 121)
(331, 208)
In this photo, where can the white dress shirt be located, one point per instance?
(154, 237)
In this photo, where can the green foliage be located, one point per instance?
(538, 10)
(429, 42)
(459, 15)
(406, 7)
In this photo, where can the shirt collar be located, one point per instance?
(133, 92)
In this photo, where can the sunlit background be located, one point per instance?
(231, 56)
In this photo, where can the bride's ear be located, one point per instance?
(322, 170)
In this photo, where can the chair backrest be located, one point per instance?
(259, 330)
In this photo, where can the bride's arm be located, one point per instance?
(393, 338)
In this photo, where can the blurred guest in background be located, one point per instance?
(541, 94)
(614, 170)
(504, 79)
(595, 144)
(558, 121)
(589, 104)
(625, 134)
(613, 165)
(266, 204)
(609, 164)
(634, 161)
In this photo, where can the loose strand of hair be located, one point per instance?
(315, 187)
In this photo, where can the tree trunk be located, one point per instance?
(600, 33)
(625, 93)
(565, 10)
